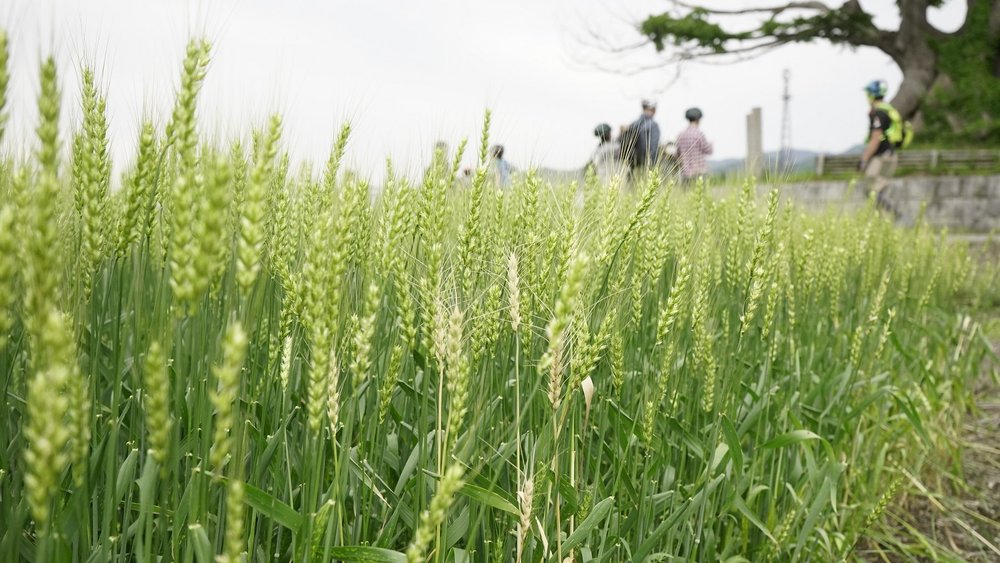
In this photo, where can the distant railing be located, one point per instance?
(916, 161)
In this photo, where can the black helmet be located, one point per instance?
(603, 131)
(693, 114)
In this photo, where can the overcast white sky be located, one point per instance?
(407, 73)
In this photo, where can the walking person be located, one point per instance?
(501, 168)
(606, 160)
(692, 148)
(885, 132)
(640, 140)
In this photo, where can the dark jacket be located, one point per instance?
(640, 142)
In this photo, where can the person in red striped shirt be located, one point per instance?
(692, 148)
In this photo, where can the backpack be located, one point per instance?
(899, 132)
(633, 150)
(627, 149)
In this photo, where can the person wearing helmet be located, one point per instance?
(693, 147)
(640, 140)
(605, 159)
(878, 160)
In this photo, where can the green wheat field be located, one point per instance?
(231, 359)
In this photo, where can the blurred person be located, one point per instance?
(439, 167)
(692, 148)
(501, 168)
(606, 159)
(640, 140)
(885, 133)
(667, 161)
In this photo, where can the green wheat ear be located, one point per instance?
(51, 401)
(4, 79)
(42, 268)
(8, 271)
(282, 243)
(159, 421)
(186, 190)
(456, 375)
(92, 171)
(224, 397)
(333, 394)
(250, 243)
(319, 386)
(234, 539)
(140, 198)
(553, 363)
(434, 516)
(389, 381)
(363, 336)
(211, 227)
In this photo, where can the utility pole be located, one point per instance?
(785, 160)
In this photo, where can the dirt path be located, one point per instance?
(956, 518)
(954, 514)
(979, 505)
(965, 517)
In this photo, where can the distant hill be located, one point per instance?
(798, 161)
(560, 176)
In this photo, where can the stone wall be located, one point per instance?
(960, 203)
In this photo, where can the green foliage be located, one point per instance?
(694, 29)
(965, 103)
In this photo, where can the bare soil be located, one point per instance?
(956, 517)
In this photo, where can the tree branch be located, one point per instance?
(695, 33)
(774, 11)
(747, 51)
(912, 40)
(870, 35)
(994, 23)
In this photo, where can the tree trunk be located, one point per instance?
(913, 53)
(918, 77)
(994, 27)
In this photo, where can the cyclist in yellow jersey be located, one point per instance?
(879, 159)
